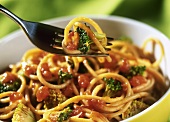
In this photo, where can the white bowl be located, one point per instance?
(14, 45)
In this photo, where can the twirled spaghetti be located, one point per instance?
(90, 89)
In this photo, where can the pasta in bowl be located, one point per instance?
(126, 84)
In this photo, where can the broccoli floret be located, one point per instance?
(57, 116)
(23, 114)
(84, 42)
(63, 76)
(135, 70)
(112, 87)
(54, 98)
(135, 108)
(12, 85)
(64, 115)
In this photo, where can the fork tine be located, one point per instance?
(92, 55)
(58, 30)
(110, 38)
(60, 33)
(62, 52)
(59, 40)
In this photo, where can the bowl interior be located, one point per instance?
(13, 46)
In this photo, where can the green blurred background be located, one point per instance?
(153, 12)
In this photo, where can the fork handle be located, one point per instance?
(11, 15)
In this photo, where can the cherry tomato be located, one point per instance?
(58, 58)
(125, 67)
(68, 91)
(64, 69)
(112, 64)
(71, 34)
(37, 58)
(72, 46)
(137, 80)
(45, 71)
(78, 111)
(42, 93)
(8, 77)
(95, 104)
(29, 70)
(15, 96)
(73, 39)
(83, 81)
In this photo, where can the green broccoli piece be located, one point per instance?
(64, 115)
(137, 70)
(54, 98)
(112, 87)
(135, 108)
(63, 76)
(23, 113)
(134, 70)
(84, 42)
(9, 86)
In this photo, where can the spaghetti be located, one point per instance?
(103, 89)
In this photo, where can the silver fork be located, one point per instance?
(44, 36)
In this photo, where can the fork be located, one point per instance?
(44, 36)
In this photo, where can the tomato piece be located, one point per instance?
(78, 111)
(83, 81)
(125, 67)
(8, 77)
(58, 58)
(37, 58)
(29, 70)
(68, 91)
(112, 64)
(95, 104)
(73, 39)
(64, 69)
(137, 80)
(42, 93)
(45, 71)
(71, 34)
(15, 96)
(72, 46)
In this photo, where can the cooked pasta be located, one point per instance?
(88, 89)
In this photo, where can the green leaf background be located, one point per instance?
(153, 12)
